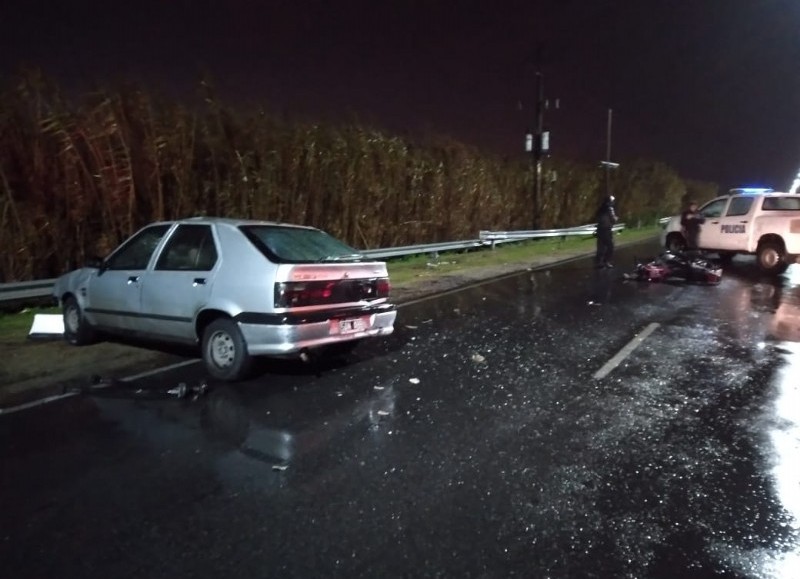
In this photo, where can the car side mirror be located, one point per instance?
(96, 263)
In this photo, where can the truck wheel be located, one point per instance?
(771, 258)
(225, 351)
(675, 243)
(77, 331)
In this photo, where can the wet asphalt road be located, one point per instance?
(474, 442)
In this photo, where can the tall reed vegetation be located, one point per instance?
(76, 178)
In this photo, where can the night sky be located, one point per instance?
(710, 87)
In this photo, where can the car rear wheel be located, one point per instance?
(771, 258)
(77, 331)
(225, 351)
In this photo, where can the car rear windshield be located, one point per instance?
(781, 203)
(298, 245)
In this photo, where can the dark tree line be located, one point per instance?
(76, 178)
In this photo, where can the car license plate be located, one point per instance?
(348, 326)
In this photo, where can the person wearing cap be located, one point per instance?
(606, 217)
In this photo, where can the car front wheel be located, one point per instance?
(225, 351)
(77, 331)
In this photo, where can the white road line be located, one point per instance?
(161, 370)
(55, 398)
(35, 403)
(625, 352)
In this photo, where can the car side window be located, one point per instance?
(136, 252)
(189, 248)
(714, 209)
(739, 206)
(781, 203)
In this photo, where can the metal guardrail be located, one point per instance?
(24, 290)
(42, 288)
(501, 236)
(422, 249)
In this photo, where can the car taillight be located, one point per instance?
(289, 294)
(297, 294)
(382, 287)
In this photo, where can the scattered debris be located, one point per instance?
(411, 327)
(477, 358)
(383, 413)
(180, 391)
(184, 391)
(378, 387)
(46, 326)
(440, 263)
(280, 467)
(96, 382)
(414, 380)
(121, 386)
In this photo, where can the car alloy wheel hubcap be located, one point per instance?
(72, 319)
(223, 351)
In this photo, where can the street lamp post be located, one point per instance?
(608, 164)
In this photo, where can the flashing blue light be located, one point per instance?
(750, 191)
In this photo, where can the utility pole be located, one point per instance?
(607, 164)
(537, 148)
(538, 144)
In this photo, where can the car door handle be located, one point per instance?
(199, 281)
(133, 279)
(743, 221)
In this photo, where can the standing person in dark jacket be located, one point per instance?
(691, 219)
(606, 218)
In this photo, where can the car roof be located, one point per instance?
(235, 222)
(761, 194)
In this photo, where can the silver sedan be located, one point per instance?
(239, 288)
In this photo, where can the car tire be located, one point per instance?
(77, 331)
(675, 243)
(771, 258)
(225, 351)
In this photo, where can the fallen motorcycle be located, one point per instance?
(688, 266)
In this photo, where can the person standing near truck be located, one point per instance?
(606, 217)
(691, 219)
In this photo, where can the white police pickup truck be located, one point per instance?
(756, 222)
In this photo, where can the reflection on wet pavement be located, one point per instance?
(473, 442)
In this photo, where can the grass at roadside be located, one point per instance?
(404, 270)
(14, 327)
